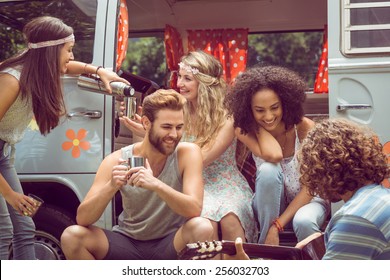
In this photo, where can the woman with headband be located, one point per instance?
(31, 86)
(227, 196)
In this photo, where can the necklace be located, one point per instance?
(284, 142)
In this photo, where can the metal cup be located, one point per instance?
(131, 107)
(37, 204)
(135, 161)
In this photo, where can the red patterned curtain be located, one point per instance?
(321, 81)
(123, 34)
(173, 51)
(228, 45)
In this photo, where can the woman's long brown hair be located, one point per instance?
(40, 78)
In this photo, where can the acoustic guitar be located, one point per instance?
(314, 250)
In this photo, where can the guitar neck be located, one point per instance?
(313, 250)
(206, 250)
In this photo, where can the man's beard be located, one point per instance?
(157, 142)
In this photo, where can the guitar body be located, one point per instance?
(314, 250)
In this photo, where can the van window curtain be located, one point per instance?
(123, 34)
(321, 81)
(229, 46)
(173, 52)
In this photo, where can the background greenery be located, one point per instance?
(299, 51)
(14, 15)
(146, 57)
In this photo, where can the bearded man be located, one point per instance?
(161, 201)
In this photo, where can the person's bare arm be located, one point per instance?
(240, 253)
(20, 202)
(222, 141)
(106, 75)
(187, 203)
(307, 240)
(301, 199)
(303, 128)
(8, 92)
(110, 177)
(261, 144)
(134, 126)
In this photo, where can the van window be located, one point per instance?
(299, 51)
(145, 57)
(365, 26)
(80, 14)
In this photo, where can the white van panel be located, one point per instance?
(37, 154)
(357, 80)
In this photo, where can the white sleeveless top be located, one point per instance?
(16, 119)
(290, 171)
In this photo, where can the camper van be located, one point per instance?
(61, 166)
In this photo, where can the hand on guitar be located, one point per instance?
(314, 249)
(240, 255)
(302, 244)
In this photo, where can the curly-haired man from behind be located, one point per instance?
(340, 160)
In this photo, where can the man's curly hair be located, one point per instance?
(338, 156)
(287, 84)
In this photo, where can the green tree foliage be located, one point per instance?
(11, 42)
(146, 58)
(299, 51)
(15, 15)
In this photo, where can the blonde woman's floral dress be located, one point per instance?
(227, 191)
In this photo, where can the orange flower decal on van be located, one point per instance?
(76, 142)
(386, 150)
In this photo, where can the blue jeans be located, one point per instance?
(14, 227)
(269, 202)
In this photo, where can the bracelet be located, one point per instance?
(278, 225)
(97, 69)
(85, 68)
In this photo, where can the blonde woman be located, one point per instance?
(227, 199)
(227, 195)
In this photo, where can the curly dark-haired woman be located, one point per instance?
(266, 103)
(343, 160)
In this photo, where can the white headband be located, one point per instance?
(194, 70)
(44, 44)
(188, 68)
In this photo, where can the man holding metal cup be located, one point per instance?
(162, 198)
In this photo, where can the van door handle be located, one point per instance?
(85, 114)
(344, 107)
